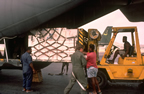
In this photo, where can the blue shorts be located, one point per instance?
(92, 72)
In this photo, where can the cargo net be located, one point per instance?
(52, 44)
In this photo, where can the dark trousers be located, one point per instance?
(27, 80)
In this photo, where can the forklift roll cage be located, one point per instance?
(136, 46)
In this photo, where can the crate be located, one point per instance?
(37, 77)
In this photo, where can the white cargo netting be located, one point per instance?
(52, 44)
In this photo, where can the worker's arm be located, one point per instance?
(84, 62)
(29, 59)
(127, 50)
(85, 53)
(31, 65)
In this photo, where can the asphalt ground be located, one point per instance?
(11, 83)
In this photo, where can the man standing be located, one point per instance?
(92, 68)
(28, 70)
(78, 74)
(62, 69)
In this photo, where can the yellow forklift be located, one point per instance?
(131, 68)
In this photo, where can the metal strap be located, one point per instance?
(79, 82)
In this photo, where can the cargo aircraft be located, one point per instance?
(19, 17)
(49, 45)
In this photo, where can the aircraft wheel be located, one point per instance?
(102, 79)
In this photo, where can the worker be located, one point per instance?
(28, 70)
(78, 74)
(63, 70)
(92, 69)
(124, 52)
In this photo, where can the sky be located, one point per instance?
(116, 19)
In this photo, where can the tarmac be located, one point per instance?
(11, 83)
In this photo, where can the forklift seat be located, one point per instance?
(131, 51)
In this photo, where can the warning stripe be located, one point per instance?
(80, 35)
(81, 32)
(80, 42)
(81, 38)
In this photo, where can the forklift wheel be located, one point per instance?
(102, 79)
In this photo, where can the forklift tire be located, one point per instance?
(102, 79)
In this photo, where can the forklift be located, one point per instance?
(129, 69)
